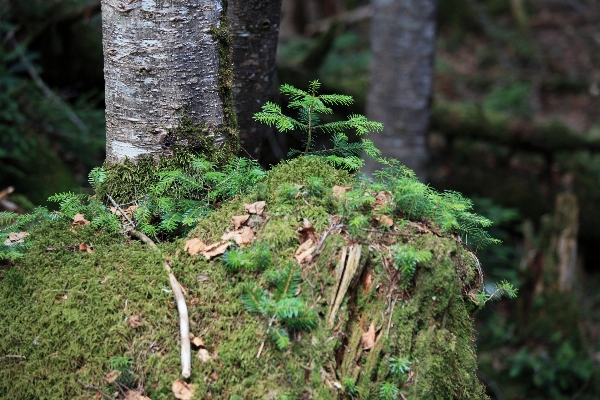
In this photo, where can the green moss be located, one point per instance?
(70, 316)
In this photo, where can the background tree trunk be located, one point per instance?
(254, 27)
(401, 78)
(160, 63)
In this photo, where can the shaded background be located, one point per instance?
(515, 125)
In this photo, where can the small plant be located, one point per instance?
(504, 287)
(399, 366)
(280, 310)
(122, 364)
(388, 391)
(406, 259)
(256, 258)
(310, 106)
(351, 388)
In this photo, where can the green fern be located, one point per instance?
(310, 106)
(281, 311)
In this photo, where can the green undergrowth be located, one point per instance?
(68, 312)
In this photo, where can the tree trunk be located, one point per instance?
(401, 78)
(161, 63)
(254, 28)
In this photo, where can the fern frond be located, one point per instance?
(280, 337)
(336, 99)
(255, 299)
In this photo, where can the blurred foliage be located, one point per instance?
(41, 150)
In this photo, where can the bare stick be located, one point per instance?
(184, 321)
(387, 334)
(145, 239)
(114, 203)
(13, 356)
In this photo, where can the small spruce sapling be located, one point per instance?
(310, 106)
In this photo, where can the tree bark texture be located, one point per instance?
(160, 64)
(401, 78)
(254, 27)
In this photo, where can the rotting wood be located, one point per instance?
(350, 268)
(184, 322)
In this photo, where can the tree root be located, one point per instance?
(184, 322)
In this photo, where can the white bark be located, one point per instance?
(160, 63)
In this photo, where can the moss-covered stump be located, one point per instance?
(356, 326)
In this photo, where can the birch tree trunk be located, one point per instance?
(401, 79)
(161, 63)
(254, 27)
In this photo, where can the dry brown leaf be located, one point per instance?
(135, 321)
(215, 249)
(112, 376)
(305, 251)
(255, 208)
(203, 278)
(203, 355)
(133, 395)
(214, 376)
(183, 390)
(85, 248)
(15, 237)
(385, 220)
(368, 338)
(419, 227)
(79, 220)
(128, 212)
(239, 220)
(240, 236)
(194, 246)
(197, 341)
(367, 280)
(383, 198)
(340, 191)
(306, 232)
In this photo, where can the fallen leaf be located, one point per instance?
(383, 198)
(385, 220)
(197, 341)
(239, 220)
(133, 395)
(368, 338)
(194, 246)
(128, 212)
(215, 249)
(367, 280)
(79, 220)
(112, 376)
(85, 248)
(306, 232)
(183, 390)
(15, 237)
(340, 191)
(97, 396)
(305, 251)
(255, 208)
(419, 227)
(240, 236)
(135, 321)
(204, 355)
(203, 278)
(214, 376)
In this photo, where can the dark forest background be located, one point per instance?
(515, 125)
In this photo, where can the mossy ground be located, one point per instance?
(68, 311)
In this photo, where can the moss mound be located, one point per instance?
(70, 313)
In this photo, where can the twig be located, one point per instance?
(387, 334)
(184, 321)
(386, 232)
(145, 239)
(319, 248)
(13, 356)
(114, 203)
(90, 387)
